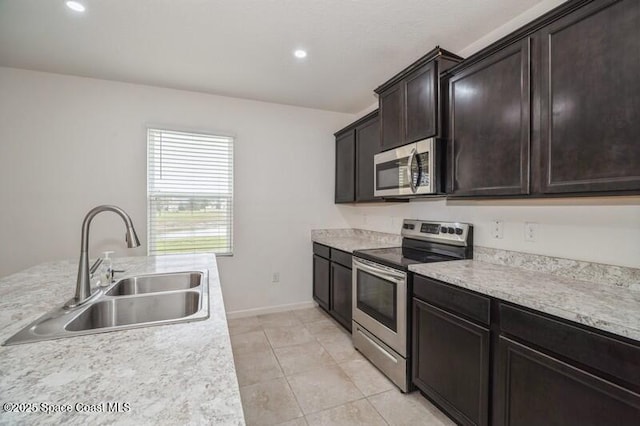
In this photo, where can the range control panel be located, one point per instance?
(454, 233)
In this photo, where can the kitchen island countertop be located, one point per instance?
(171, 374)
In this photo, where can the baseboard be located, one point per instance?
(270, 310)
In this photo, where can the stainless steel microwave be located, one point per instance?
(408, 170)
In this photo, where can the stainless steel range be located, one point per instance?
(382, 289)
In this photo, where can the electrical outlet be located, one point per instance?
(498, 229)
(530, 231)
(275, 277)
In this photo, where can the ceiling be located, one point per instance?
(243, 48)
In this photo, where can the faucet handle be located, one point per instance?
(95, 266)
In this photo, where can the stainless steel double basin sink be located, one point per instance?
(137, 301)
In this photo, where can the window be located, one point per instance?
(189, 192)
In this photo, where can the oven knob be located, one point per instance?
(443, 229)
(458, 231)
(451, 230)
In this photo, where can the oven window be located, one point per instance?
(392, 174)
(377, 298)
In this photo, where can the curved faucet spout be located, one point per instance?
(83, 287)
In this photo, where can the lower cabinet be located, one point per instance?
(342, 294)
(332, 282)
(321, 281)
(485, 361)
(534, 388)
(451, 362)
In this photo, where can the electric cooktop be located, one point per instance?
(424, 242)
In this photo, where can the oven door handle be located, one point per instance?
(378, 270)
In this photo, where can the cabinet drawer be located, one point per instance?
(341, 257)
(614, 357)
(321, 250)
(458, 300)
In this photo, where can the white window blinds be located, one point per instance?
(189, 192)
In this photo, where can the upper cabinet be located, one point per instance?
(367, 142)
(410, 101)
(590, 99)
(345, 167)
(490, 126)
(356, 145)
(550, 109)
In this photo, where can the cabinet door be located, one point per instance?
(345, 168)
(391, 103)
(367, 146)
(537, 389)
(490, 125)
(420, 104)
(451, 362)
(321, 280)
(590, 100)
(341, 294)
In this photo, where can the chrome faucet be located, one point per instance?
(83, 286)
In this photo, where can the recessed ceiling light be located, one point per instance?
(300, 53)
(75, 6)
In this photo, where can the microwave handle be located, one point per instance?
(412, 158)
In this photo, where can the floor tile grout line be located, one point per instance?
(335, 406)
(340, 364)
(384, 419)
(286, 379)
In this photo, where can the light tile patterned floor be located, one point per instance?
(300, 368)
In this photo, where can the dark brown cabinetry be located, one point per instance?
(356, 145)
(345, 167)
(558, 373)
(544, 370)
(391, 118)
(321, 280)
(367, 140)
(450, 352)
(539, 389)
(590, 99)
(490, 125)
(550, 109)
(409, 102)
(342, 295)
(332, 282)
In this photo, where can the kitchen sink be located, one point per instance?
(137, 310)
(132, 302)
(156, 283)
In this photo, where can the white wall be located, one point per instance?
(593, 229)
(510, 26)
(605, 230)
(69, 143)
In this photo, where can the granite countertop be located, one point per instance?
(604, 306)
(350, 240)
(171, 374)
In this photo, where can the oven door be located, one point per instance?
(404, 171)
(380, 302)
